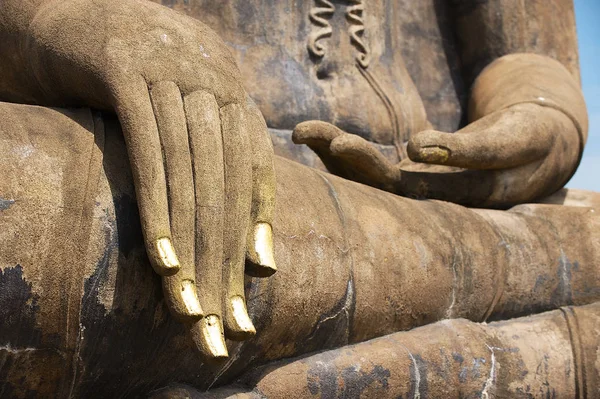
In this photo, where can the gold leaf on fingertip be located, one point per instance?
(190, 299)
(434, 154)
(167, 254)
(263, 245)
(213, 337)
(240, 315)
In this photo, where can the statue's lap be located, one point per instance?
(355, 263)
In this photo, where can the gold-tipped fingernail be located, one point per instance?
(240, 315)
(190, 299)
(434, 154)
(213, 336)
(263, 245)
(170, 263)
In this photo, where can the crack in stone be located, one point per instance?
(21, 351)
(490, 380)
(345, 308)
(417, 374)
(17, 351)
(450, 309)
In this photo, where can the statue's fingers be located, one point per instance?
(318, 136)
(367, 162)
(508, 138)
(204, 128)
(315, 134)
(260, 250)
(133, 106)
(238, 200)
(180, 289)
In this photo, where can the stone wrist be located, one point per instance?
(529, 78)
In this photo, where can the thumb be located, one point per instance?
(505, 139)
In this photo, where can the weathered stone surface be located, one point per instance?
(354, 263)
(550, 355)
(84, 315)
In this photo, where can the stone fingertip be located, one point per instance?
(169, 263)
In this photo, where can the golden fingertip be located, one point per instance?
(189, 297)
(434, 154)
(263, 245)
(240, 316)
(213, 337)
(170, 263)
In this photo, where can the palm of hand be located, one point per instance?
(511, 156)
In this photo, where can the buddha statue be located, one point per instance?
(400, 74)
(134, 143)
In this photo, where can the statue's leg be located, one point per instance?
(49, 172)
(550, 355)
(354, 263)
(573, 197)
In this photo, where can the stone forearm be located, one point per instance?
(529, 78)
(16, 15)
(17, 84)
(488, 30)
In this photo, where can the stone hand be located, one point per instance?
(513, 155)
(348, 155)
(525, 141)
(504, 158)
(199, 148)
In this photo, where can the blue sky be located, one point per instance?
(587, 13)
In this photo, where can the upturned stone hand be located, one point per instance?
(528, 125)
(199, 148)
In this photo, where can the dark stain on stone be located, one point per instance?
(540, 281)
(91, 309)
(476, 369)
(563, 295)
(322, 377)
(356, 381)
(457, 357)
(130, 334)
(5, 203)
(462, 375)
(18, 308)
(246, 11)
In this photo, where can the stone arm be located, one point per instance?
(187, 122)
(83, 314)
(527, 120)
(488, 30)
(16, 82)
(515, 53)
